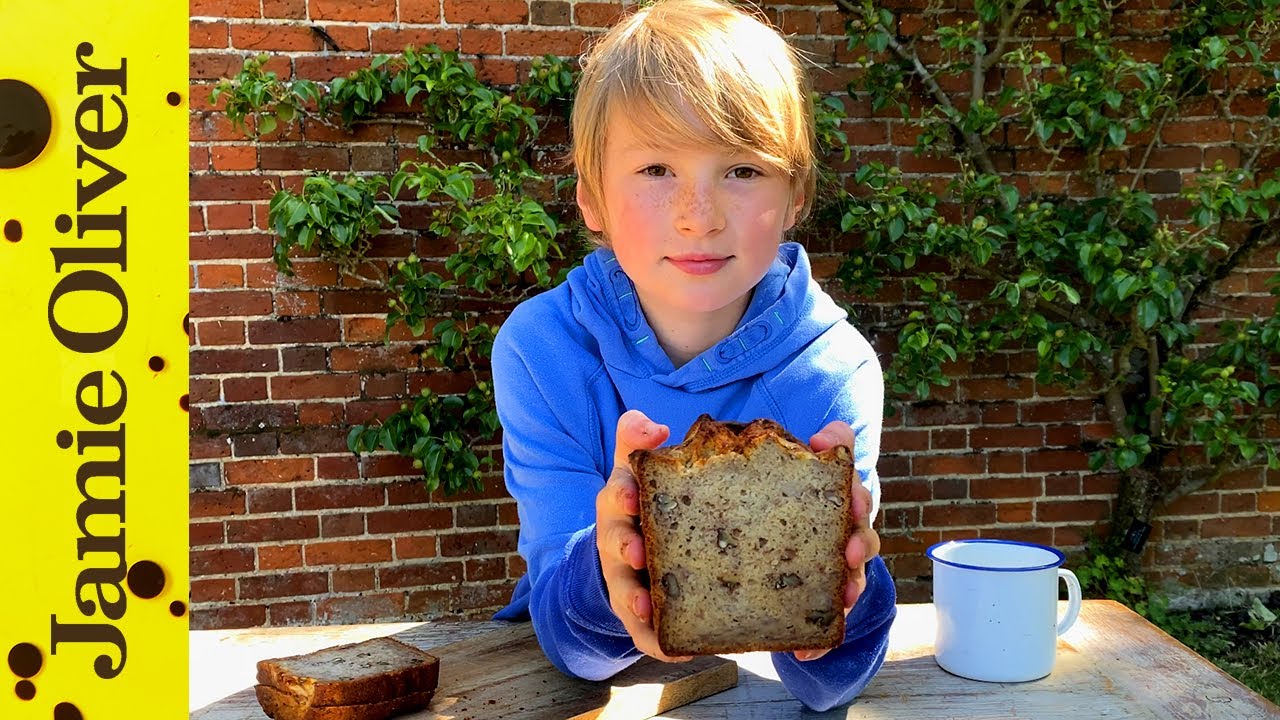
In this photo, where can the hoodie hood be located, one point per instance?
(787, 311)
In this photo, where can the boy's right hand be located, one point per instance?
(618, 540)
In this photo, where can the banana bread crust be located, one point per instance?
(283, 706)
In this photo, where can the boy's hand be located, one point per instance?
(865, 542)
(618, 541)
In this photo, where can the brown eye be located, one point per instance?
(745, 173)
(655, 171)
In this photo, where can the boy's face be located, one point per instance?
(694, 227)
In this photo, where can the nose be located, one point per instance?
(698, 209)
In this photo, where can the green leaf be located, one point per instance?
(300, 210)
(1125, 284)
(1117, 134)
(896, 227)
(1148, 313)
(1126, 459)
(1010, 196)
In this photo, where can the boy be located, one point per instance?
(693, 140)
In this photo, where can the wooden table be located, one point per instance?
(1111, 664)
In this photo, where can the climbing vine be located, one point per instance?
(506, 242)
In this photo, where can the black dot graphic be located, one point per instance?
(146, 579)
(66, 711)
(13, 231)
(177, 608)
(184, 403)
(25, 689)
(62, 223)
(25, 660)
(25, 123)
(173, 98)
(156, 363)
(186, 324)
(64, 439)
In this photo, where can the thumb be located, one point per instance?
(637, 432)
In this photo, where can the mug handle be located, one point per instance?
(1073, 600)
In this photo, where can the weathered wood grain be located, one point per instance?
(1113, 664)
(502, 673)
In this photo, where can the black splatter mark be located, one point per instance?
(25, 660)
(145, 579)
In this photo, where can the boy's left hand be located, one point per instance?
(864, 544)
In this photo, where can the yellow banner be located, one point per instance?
(93, 361)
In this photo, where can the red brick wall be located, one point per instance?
(288, 527)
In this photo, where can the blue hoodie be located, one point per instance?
(569, 362)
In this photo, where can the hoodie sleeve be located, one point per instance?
(841, 369)
(554, 475)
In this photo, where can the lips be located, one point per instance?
(699, 264)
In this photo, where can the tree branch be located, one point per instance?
(1260, 235)
(1117, 412)
(1146, 154)
(1193, 481)
(1006, 29)
(1155, 420)
(979, 85)
(977, 150)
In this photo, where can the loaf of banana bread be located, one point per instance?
(745, 529)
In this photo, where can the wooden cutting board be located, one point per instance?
(504, 674)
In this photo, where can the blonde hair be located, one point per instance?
(731, 69)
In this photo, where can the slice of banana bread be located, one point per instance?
(375, 671)
(283, 706)
(745, 529)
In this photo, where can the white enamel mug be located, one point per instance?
(997, 607)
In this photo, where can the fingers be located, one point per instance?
(836, 432)
(620, 546)
(856, 583)
(636, 432)
(633, 606)
(863, 545)
(620, 495)
(807, 655)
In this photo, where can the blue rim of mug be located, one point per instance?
(992, 541)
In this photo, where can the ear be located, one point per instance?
(793, 212)
(589, 213)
